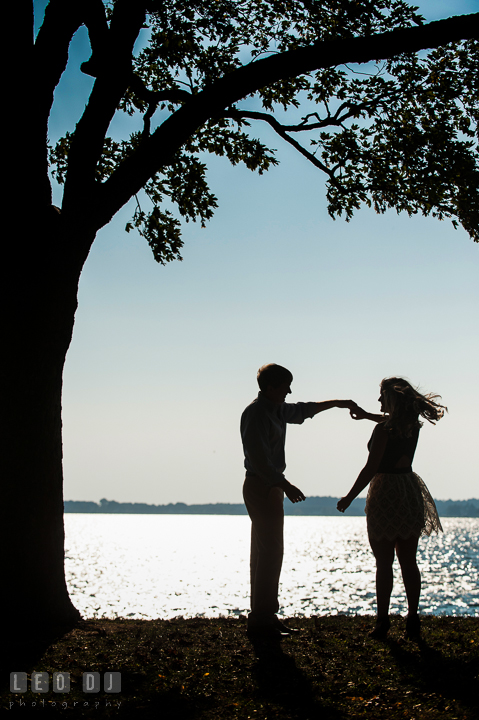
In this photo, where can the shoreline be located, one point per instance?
(321, 506)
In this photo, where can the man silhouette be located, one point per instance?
(263, 432)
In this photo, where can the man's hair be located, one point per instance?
(274, 375)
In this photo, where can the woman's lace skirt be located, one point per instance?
(399, 506)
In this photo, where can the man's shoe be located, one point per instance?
(266, 632)
(285, 629)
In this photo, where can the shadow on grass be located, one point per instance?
(282, 684)
(21, 650)
(435, 671)
(169, 705)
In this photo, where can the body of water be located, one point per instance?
(162, 566)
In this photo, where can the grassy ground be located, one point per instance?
(208, 669)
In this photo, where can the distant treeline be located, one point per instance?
(311, 506)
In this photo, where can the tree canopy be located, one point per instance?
(383, 104)
(344, 82)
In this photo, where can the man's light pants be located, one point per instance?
(265, 508)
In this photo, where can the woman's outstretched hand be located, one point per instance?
(357, 413)
(343, 504)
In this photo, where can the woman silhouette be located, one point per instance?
(399, 507)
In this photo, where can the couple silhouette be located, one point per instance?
(399, 507)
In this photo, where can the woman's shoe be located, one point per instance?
(381, 629)
(413, 628)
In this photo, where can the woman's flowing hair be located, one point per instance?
(406, 405)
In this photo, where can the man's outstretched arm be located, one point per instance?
(328, 404)
(298, 412)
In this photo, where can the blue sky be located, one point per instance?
(163, 359)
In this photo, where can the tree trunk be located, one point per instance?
(39, 290)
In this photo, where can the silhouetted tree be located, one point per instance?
(401, 133)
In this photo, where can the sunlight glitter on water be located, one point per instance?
(162, 566)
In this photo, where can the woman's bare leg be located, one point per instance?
(406, 551)
(384, 553)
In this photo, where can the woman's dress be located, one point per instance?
(398, 504)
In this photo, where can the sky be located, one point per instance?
(163, 359)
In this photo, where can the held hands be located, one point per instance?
(357, 413)
(350, 404)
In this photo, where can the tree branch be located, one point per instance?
(99, 39)
(281, 131)
(153, 99)
(49, 60)
(60, 23)
(136, 170)
(97, 25)
(113, 72)
(335, 120)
